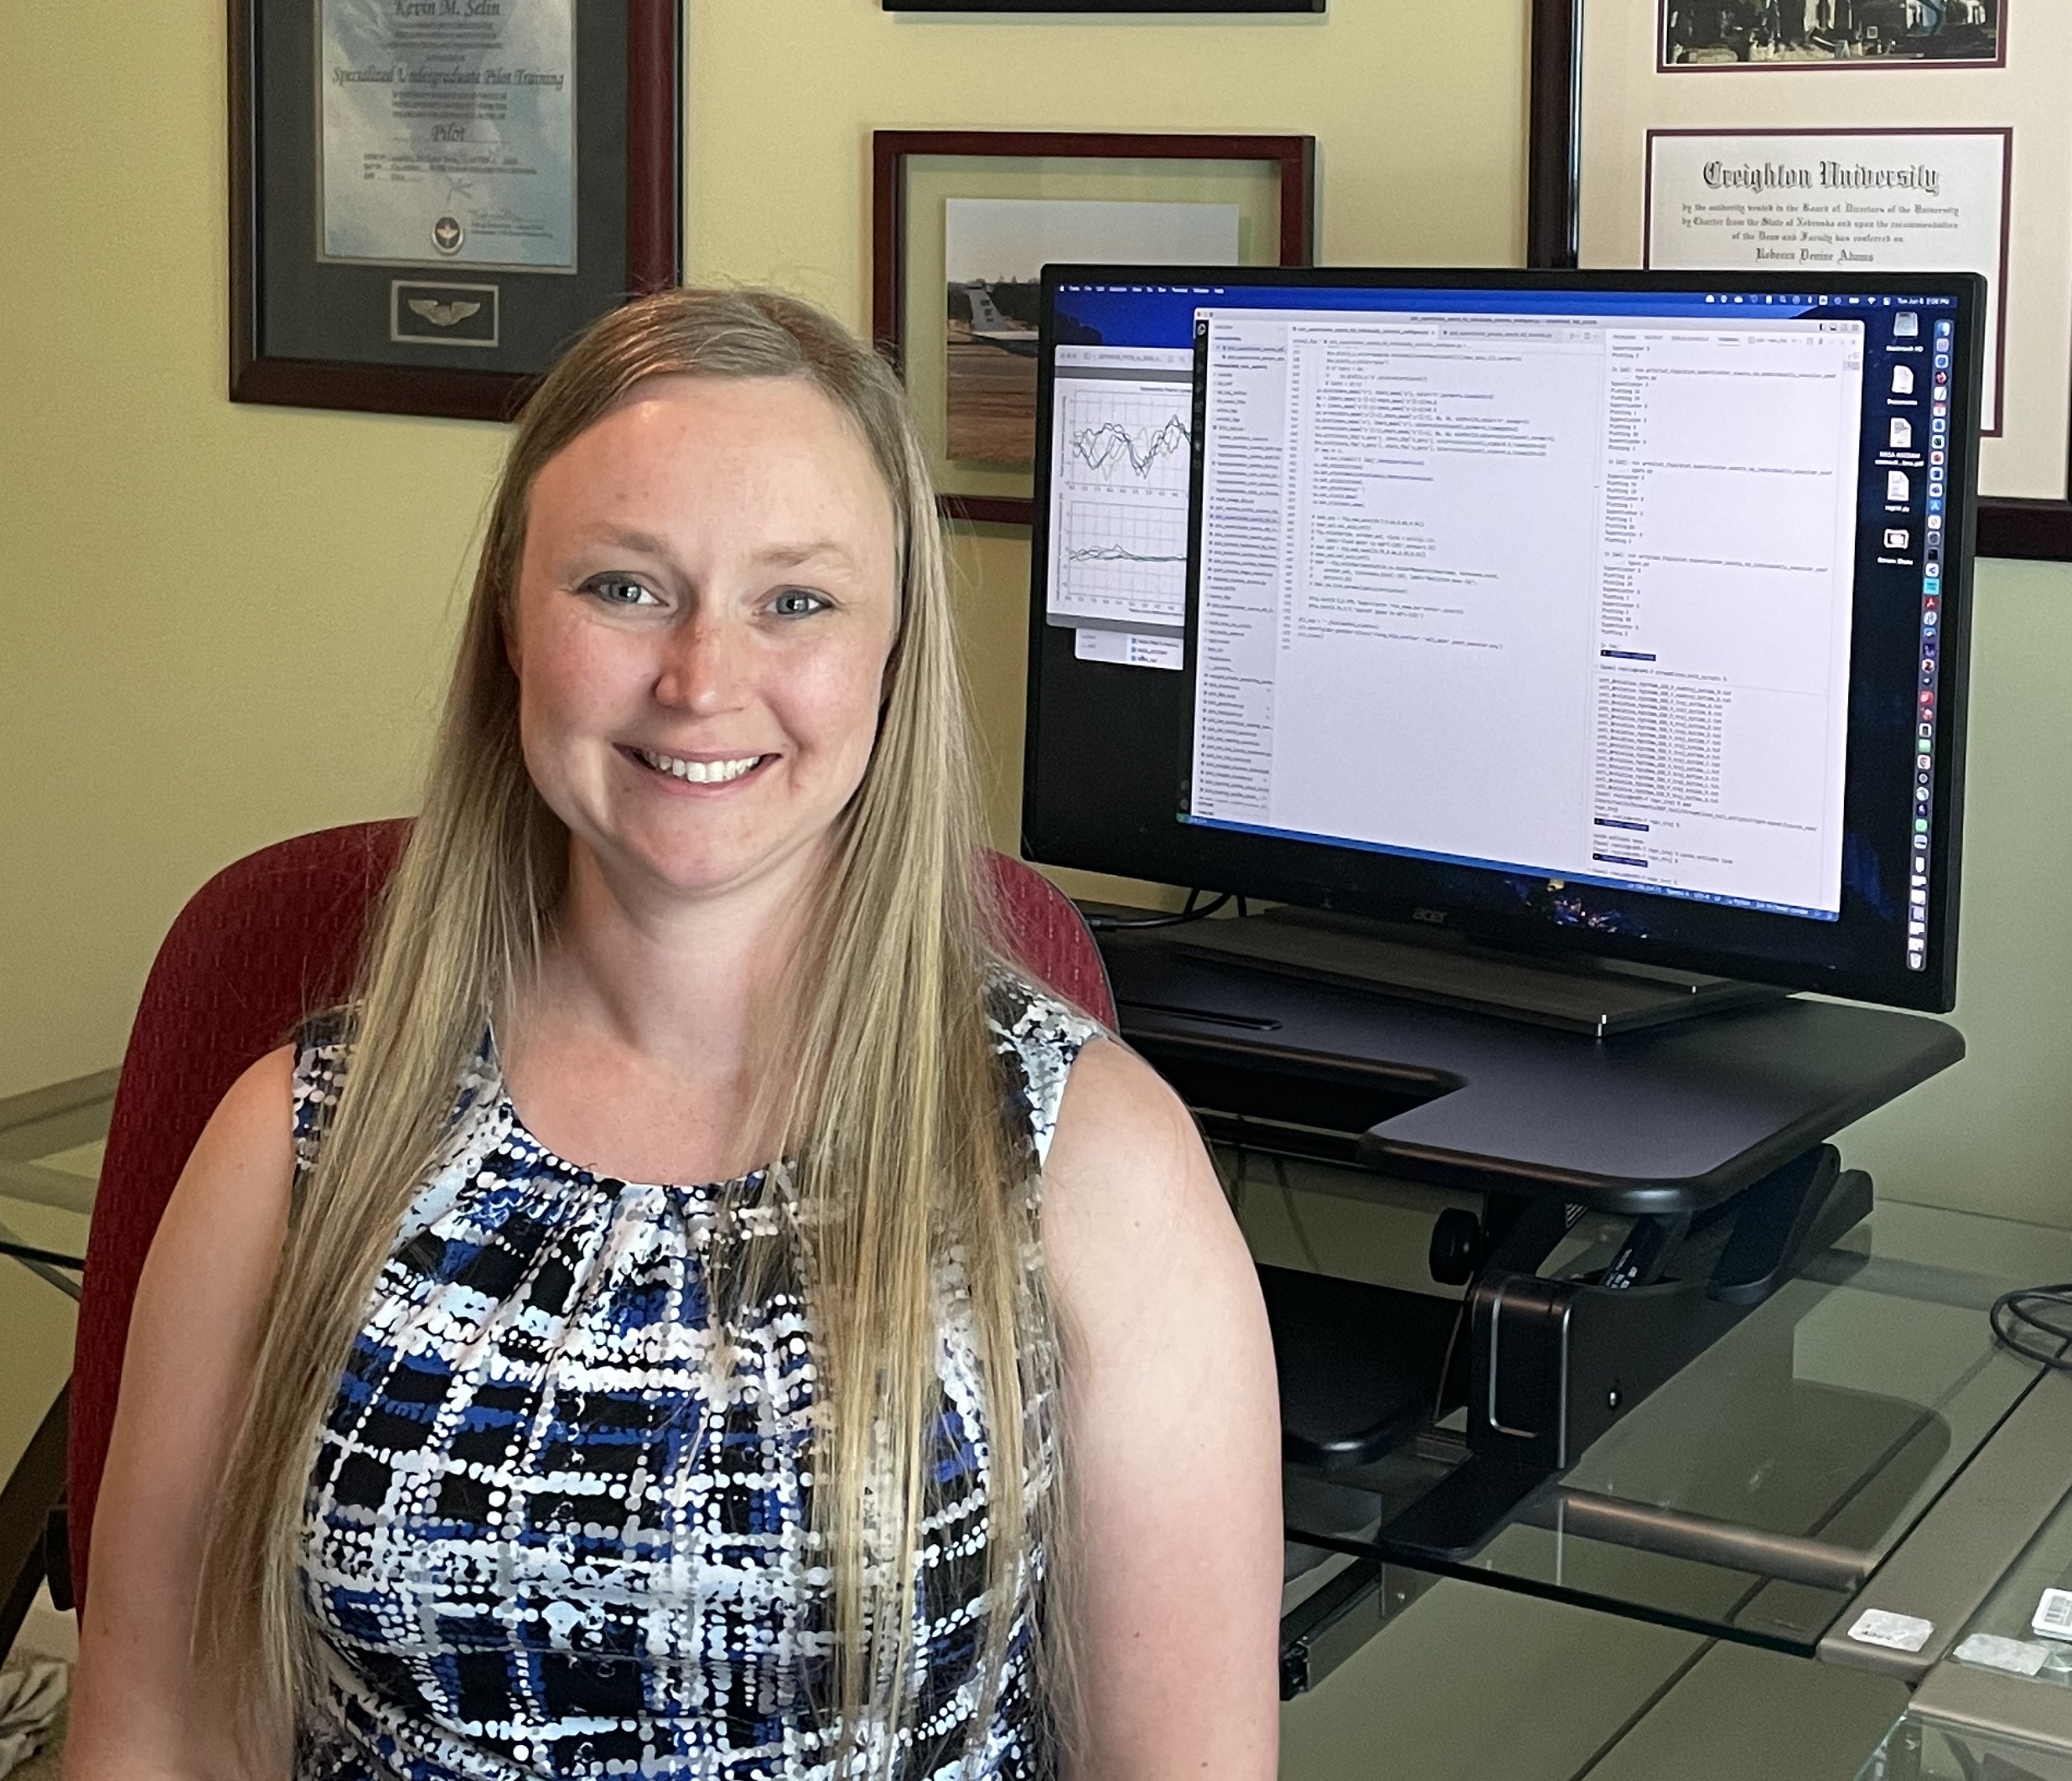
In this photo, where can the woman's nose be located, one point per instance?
(703, 665)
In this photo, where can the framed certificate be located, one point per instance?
(430, 199)
(1836, 135)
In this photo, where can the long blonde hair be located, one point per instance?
(896, 1120)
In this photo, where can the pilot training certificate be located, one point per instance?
(448, 132)
(1787, 201)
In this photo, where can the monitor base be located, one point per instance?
(1597, 998)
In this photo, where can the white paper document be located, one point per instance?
(448, 132)
(1780, 201)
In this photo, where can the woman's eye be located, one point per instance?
(620, 590)
(795, 603)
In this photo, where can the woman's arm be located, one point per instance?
(1172, 1439)
(136, 1714)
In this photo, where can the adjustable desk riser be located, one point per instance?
(1673, 1126)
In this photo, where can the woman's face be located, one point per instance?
(705, 607)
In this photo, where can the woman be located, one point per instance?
(935, 1437)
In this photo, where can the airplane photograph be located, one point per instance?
(994, 252)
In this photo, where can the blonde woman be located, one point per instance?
(464, 1433)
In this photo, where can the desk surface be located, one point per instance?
(50, 1145)
(1837, 1412)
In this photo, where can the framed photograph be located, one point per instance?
(1723, 35)
(963, 223)
(1103, 6)
(1948, 147)
(430, 199)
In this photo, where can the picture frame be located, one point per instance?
(962, 221)
(427, 204)
(1610, 111)
(1103, 6)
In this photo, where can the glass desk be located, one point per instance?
(2000, 1704)
(1758, 1494)
(2003, 1638)
(1915, 1751)
(50, 1145)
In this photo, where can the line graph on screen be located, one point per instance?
(1126, 559)
(1128, 439)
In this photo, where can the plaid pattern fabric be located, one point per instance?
(559, 1520)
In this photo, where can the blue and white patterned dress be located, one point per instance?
(558, 1523)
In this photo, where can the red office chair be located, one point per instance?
(259, 946)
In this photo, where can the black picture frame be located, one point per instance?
(1103, 6)
(2038, 530)
(310, 333)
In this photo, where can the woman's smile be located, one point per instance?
(700, 769)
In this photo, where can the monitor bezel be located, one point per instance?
(1274, 869)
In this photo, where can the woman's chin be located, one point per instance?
(699, 875)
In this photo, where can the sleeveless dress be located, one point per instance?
(558, 1524)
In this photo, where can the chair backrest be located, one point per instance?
(260, 945)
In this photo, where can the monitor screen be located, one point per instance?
(1622, 612)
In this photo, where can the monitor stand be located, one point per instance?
(1598, 998)
(1707, 1136)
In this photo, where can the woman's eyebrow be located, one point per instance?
(653, 544)
(626, 538)
(790, 555)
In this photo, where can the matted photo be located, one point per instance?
(963, 223)
(994, 252)
(1718, 34)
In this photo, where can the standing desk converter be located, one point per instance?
(1686, 1381)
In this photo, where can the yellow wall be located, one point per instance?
(220, 626)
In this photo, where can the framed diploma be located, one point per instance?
(431, 197)
(1836, 135)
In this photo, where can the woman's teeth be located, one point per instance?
(700, 773)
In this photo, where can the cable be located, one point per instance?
(1295, 1218)
(1445, 1362)
(2016, 1314)
(1187, 912)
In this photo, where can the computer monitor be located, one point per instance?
(1623, 613)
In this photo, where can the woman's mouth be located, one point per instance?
(709, 772)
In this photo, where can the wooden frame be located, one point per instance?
(1292, 157)
(1103, 6)
(2006, 527)
(652, 240)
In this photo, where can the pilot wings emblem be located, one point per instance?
(442, 315)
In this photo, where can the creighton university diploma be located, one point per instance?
(448, 132)
(1800, 202)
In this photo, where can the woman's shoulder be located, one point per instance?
(1129, 1189)
(1123, 1136)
